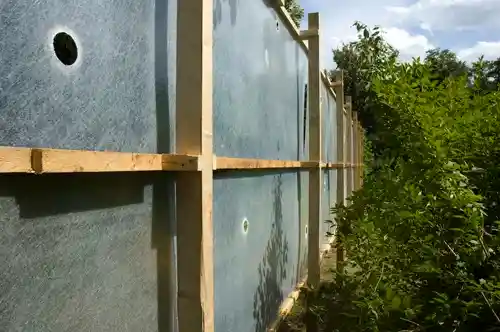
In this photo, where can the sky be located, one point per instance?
(470, 28)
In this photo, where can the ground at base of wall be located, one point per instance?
(294, 321)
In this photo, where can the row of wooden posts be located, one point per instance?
(195, 163)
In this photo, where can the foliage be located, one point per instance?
(295, 10)
(370, 55)
(487, 74)
(421, 236)
(444, 64)
(362, 60)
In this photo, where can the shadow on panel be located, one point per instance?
(272, 269)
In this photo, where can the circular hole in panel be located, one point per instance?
(65, 48)
(245, 225)
(307, 230)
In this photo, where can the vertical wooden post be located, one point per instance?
(339, 92)
(194, 189)
(355, 145)
(362, 155)
(349, 144)
(315, 152)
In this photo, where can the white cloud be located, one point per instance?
(413, 26)
(446, 15)
(490, 50)
(337, 20)
(409, 45)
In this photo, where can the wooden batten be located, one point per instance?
(315, 152)
(40, 160)
(194, 190)
(308, 34)
(341, 156)
(226, 163)
(15, 160)
(349, 154)
(355, 148)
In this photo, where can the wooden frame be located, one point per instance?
(349, 141)
(341, 156)
(43, 161)
(315, 153)
(194, 190)
(38, 161)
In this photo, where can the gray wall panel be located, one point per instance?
(326, 124)
(325, 208)
(332, 106)
(107, 99)
(304, 223)
(260, 74)
(255, 271)
(80, 253)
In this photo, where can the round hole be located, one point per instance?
(307, 230)
(245, 226)
(65, 48)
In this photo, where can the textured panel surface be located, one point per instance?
(115, 93)
(326, 204)
(331, 105)
(80, 253)
(260, 75)
(255, 270)
(326, 123)
(333, 200)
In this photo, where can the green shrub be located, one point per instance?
(421, 236)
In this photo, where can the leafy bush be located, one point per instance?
(421, 236)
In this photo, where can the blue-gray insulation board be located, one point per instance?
(82, 252)
(260, 76)
(118, 95)
(257, 267)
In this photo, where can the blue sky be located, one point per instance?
(468, 27)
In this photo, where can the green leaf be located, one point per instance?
(388, 293)
(396, 302)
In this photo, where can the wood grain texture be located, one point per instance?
(307, 34)
(355, 147)
(194, 190)
(315, 153)
(15, 160)
(349, 150)
(226, 163)
(229, 163)
(341, 157)
(33, 160)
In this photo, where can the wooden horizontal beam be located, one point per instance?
(226, 163)
(336, 84)
(38, 161)
(310, 33)
(335, 165)
(31, 160)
